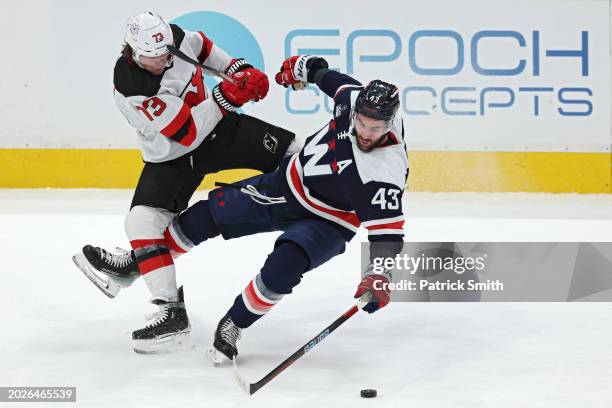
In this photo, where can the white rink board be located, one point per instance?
(470, 72)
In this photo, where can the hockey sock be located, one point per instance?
(176, 240)
(157, 268)
(282, 271)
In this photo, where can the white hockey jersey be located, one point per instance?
(173, 112)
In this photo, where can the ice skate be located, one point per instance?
(109, 272)
(224, 347)
(168, 329)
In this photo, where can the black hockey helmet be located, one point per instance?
(378, 100)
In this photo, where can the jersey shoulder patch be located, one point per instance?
(343, 104)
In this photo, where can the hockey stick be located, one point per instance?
(252, 388)
(211, 71)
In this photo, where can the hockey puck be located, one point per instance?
(368, 393)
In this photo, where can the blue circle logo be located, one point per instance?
(225, 32)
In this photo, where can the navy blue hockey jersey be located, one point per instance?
(332, 178)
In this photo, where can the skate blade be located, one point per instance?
(163, 345)
(216, 357)
(107, 286)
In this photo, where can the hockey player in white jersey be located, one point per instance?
(185, 131)
(352, 172)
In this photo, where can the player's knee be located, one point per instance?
(144, 222)
(197, 223)
(284, 267)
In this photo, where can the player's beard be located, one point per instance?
(372, 145)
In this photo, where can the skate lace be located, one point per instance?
(120, 260)
(153, 319)
(230, 332)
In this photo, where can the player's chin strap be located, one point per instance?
(255, 194)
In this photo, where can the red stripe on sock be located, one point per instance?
(171, 243)
(154, 263)
(140, 243)
(255, 300)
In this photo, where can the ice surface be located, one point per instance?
(57, 329)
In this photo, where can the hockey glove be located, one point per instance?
(378, 287)
(226, 104)
(299, 68)
(257, 83)
(248, 84)
(253, 82)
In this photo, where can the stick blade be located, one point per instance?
(242, 382)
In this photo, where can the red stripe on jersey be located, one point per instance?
(171, 243)
(207, 45)
(393, 225)
(179, 120)
(346, 216)
(140, 243)
(154, 263)
(256, 301)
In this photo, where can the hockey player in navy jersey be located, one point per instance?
(185, 131)
(351, 172)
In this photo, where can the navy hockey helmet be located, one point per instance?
(378, 100)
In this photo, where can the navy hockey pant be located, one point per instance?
(306, 242)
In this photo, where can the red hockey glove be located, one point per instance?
(224, 102)
(258, 82)
(378, 287)
(248, 84)
(293, 70)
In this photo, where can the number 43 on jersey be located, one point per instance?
(386, 198)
